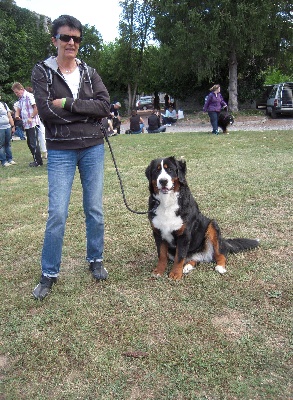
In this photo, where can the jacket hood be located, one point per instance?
(51, 62)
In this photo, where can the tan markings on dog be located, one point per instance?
(192, 263)
(177, 269)
(155, 187)
(212, 235)
(176, 185)
(163, 260)
(180, 231)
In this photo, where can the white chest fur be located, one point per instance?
(166, 219)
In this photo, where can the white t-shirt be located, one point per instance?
(73, 80)
(4, 121)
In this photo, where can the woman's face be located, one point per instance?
(66, 44)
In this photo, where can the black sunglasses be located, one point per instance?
(67, 38)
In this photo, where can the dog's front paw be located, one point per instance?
(175, 275)
(156, 274)
(220, 269)
(188, 268)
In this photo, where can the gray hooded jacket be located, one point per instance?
(75, 126)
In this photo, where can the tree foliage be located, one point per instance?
(24, 40)
(136, 27)
(169, 46)
(216, 39)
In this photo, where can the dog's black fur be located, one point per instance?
(225, 119)
(180, 230)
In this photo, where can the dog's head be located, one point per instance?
(231, 119)
(226, 118)
(166, 175)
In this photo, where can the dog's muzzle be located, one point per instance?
(163, 186)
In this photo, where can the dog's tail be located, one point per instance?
(240, 244)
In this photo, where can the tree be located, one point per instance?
(135, 28)
(24, 39)
(209, 37)
(91, 46)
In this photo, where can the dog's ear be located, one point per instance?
(148, 174)
(181, 168)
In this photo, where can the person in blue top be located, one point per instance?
(213, 105)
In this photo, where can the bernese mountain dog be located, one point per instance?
(225, 119)
(181, 232)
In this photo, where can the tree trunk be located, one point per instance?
(131, 97)
(233, 93)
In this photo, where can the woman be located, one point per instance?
(213, 105)
(71, 100)
(136, 123)
(6, 127)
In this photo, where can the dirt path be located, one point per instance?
(200, 123)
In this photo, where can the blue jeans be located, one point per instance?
(19, 132)
(168, 120)
(5, 145)
(214, 118)
(61, 170)
(160, 129)
(141, 126)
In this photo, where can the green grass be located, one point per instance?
(132, 337)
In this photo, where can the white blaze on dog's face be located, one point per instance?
(166, 175)
(165, 178)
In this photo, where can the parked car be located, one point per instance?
(145, 103)
(261, 102)
(280, 100)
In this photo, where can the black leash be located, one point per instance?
(103, 129)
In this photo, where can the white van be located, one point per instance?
(280, 100)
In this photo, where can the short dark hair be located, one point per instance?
(65, 20)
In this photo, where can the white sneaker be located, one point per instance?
(12, 162)
(6, 164)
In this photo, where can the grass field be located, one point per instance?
(131, 337)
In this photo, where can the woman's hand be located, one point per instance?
(57, 103)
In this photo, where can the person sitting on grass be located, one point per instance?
(170, 117)
(136, 123)
(154, 124)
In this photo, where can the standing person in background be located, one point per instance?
(41, 130)
(27, 110)
(114, 113)
(136, 123)
(167, 101)
(71, 108)
(213, 105)
(6, 126)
